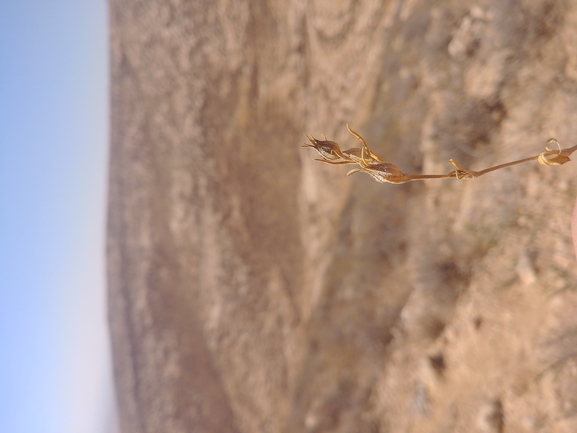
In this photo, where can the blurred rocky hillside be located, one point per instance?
(254, 290)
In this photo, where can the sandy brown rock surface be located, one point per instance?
(252, 289)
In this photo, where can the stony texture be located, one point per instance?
(252, 289)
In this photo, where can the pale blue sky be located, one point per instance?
(54, 361)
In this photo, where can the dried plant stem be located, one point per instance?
(450, 175)
(547, 157)
(382, 171)
(507, 164)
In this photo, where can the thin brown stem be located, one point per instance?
(569, 150)
(450, 175)
(549, 157)
(382, 171)
(500, 166)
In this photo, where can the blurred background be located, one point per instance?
(253, 289)
(433, 281)
(55, 371)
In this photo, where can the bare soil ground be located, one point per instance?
(252, 289)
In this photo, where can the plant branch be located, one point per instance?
(381, 171)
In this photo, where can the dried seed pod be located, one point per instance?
(381, 172)
(329, 151)
(355, 154)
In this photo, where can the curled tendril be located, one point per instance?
(553, 157)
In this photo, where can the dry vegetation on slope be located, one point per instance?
(254, 290)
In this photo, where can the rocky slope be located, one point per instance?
(252, 289)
